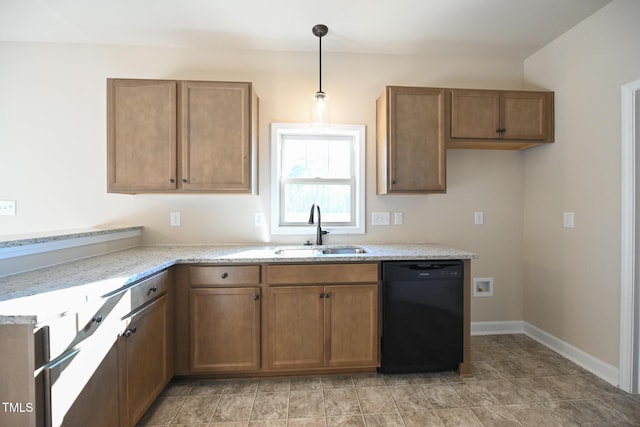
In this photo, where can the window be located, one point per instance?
(324, 166)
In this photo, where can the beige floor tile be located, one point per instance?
(337, 382)
(462, 417)
(208, 387)
(533, 415)
(308, 422)
(196, 409)
(306, 403)
(341, 401)
(346, 421)
(270, 406)
(163, 410)
(495, 416)
(241, 387)
(410, 398)
(234, 407)
(508, 393)
(304, 383)
(475, 394)
(384, 420)
(421, 419)
(272, 385)
(442, 396)
(375, 400)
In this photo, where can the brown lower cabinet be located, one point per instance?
(225, 329)
(322, 326)
(145, 359)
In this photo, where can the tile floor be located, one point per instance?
(516, 382)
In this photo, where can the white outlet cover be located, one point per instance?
(568, 220)
(380, 218)
(478, 217)
(398, 218)
(175, 219)
(8, 207)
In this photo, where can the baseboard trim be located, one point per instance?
(497, 328)
(592, 364)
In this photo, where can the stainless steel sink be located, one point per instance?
(344, 251)
(302, 252)
(298, 252)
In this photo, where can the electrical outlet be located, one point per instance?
(175, 219)
(478, 217)
(568, 220)
(7, 207)
(258, 219)
(380, 218)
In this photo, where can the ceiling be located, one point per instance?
(511, 28)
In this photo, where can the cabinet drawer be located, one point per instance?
(225, 275)
(149, 289)
(322, 273)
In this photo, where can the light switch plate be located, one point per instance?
(568, 220)
(7, 207)
(478, 217)
(398, 218)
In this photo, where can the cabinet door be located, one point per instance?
(475, 114)
(144, 360)
(216, 136)
(415, 148)
(294, 330)
(97, 405)
(141, 135)
(525, 115)
(351, 325)
(225, 329)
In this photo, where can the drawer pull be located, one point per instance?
(98, 318)
(153, 289)
(224, 275)
(130, 331)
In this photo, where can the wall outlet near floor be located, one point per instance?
(380, 218)
(483, 286)
(175, 219)
(7, 207)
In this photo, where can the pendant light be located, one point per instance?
(320, 108)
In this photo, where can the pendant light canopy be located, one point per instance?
(320, 107)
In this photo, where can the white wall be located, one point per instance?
(572, 276)
(53, 150)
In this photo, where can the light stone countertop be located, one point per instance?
(35, 296)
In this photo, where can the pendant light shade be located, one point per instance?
(320, 107)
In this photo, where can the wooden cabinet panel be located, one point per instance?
(351, 325)
(294, 329)
(322, 273)
(225, 329)
(144, 359)
(216, 136)
(181, 136)
(225, 275)
(475, 114)
(410, 140)
(98, 405)
(141, 135)
(499, 119)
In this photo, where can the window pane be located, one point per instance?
(334, 200)
(316, 158)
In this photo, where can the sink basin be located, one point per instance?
(302, 252)
(298, 252)
(344, 251)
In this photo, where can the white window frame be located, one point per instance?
(357, 134)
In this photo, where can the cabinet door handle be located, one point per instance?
(224, 275)
(98, 318)
(184, 180)
(130, 331)
(327, 295)
(256, 297)
(321, 295)
(171, 180)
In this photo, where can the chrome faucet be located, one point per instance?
(320, 232)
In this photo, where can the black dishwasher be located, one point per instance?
(422, 317)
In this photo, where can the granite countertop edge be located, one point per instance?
(34, 296)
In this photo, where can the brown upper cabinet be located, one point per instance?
(410, 128)
(499, 119)
(181, 136)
